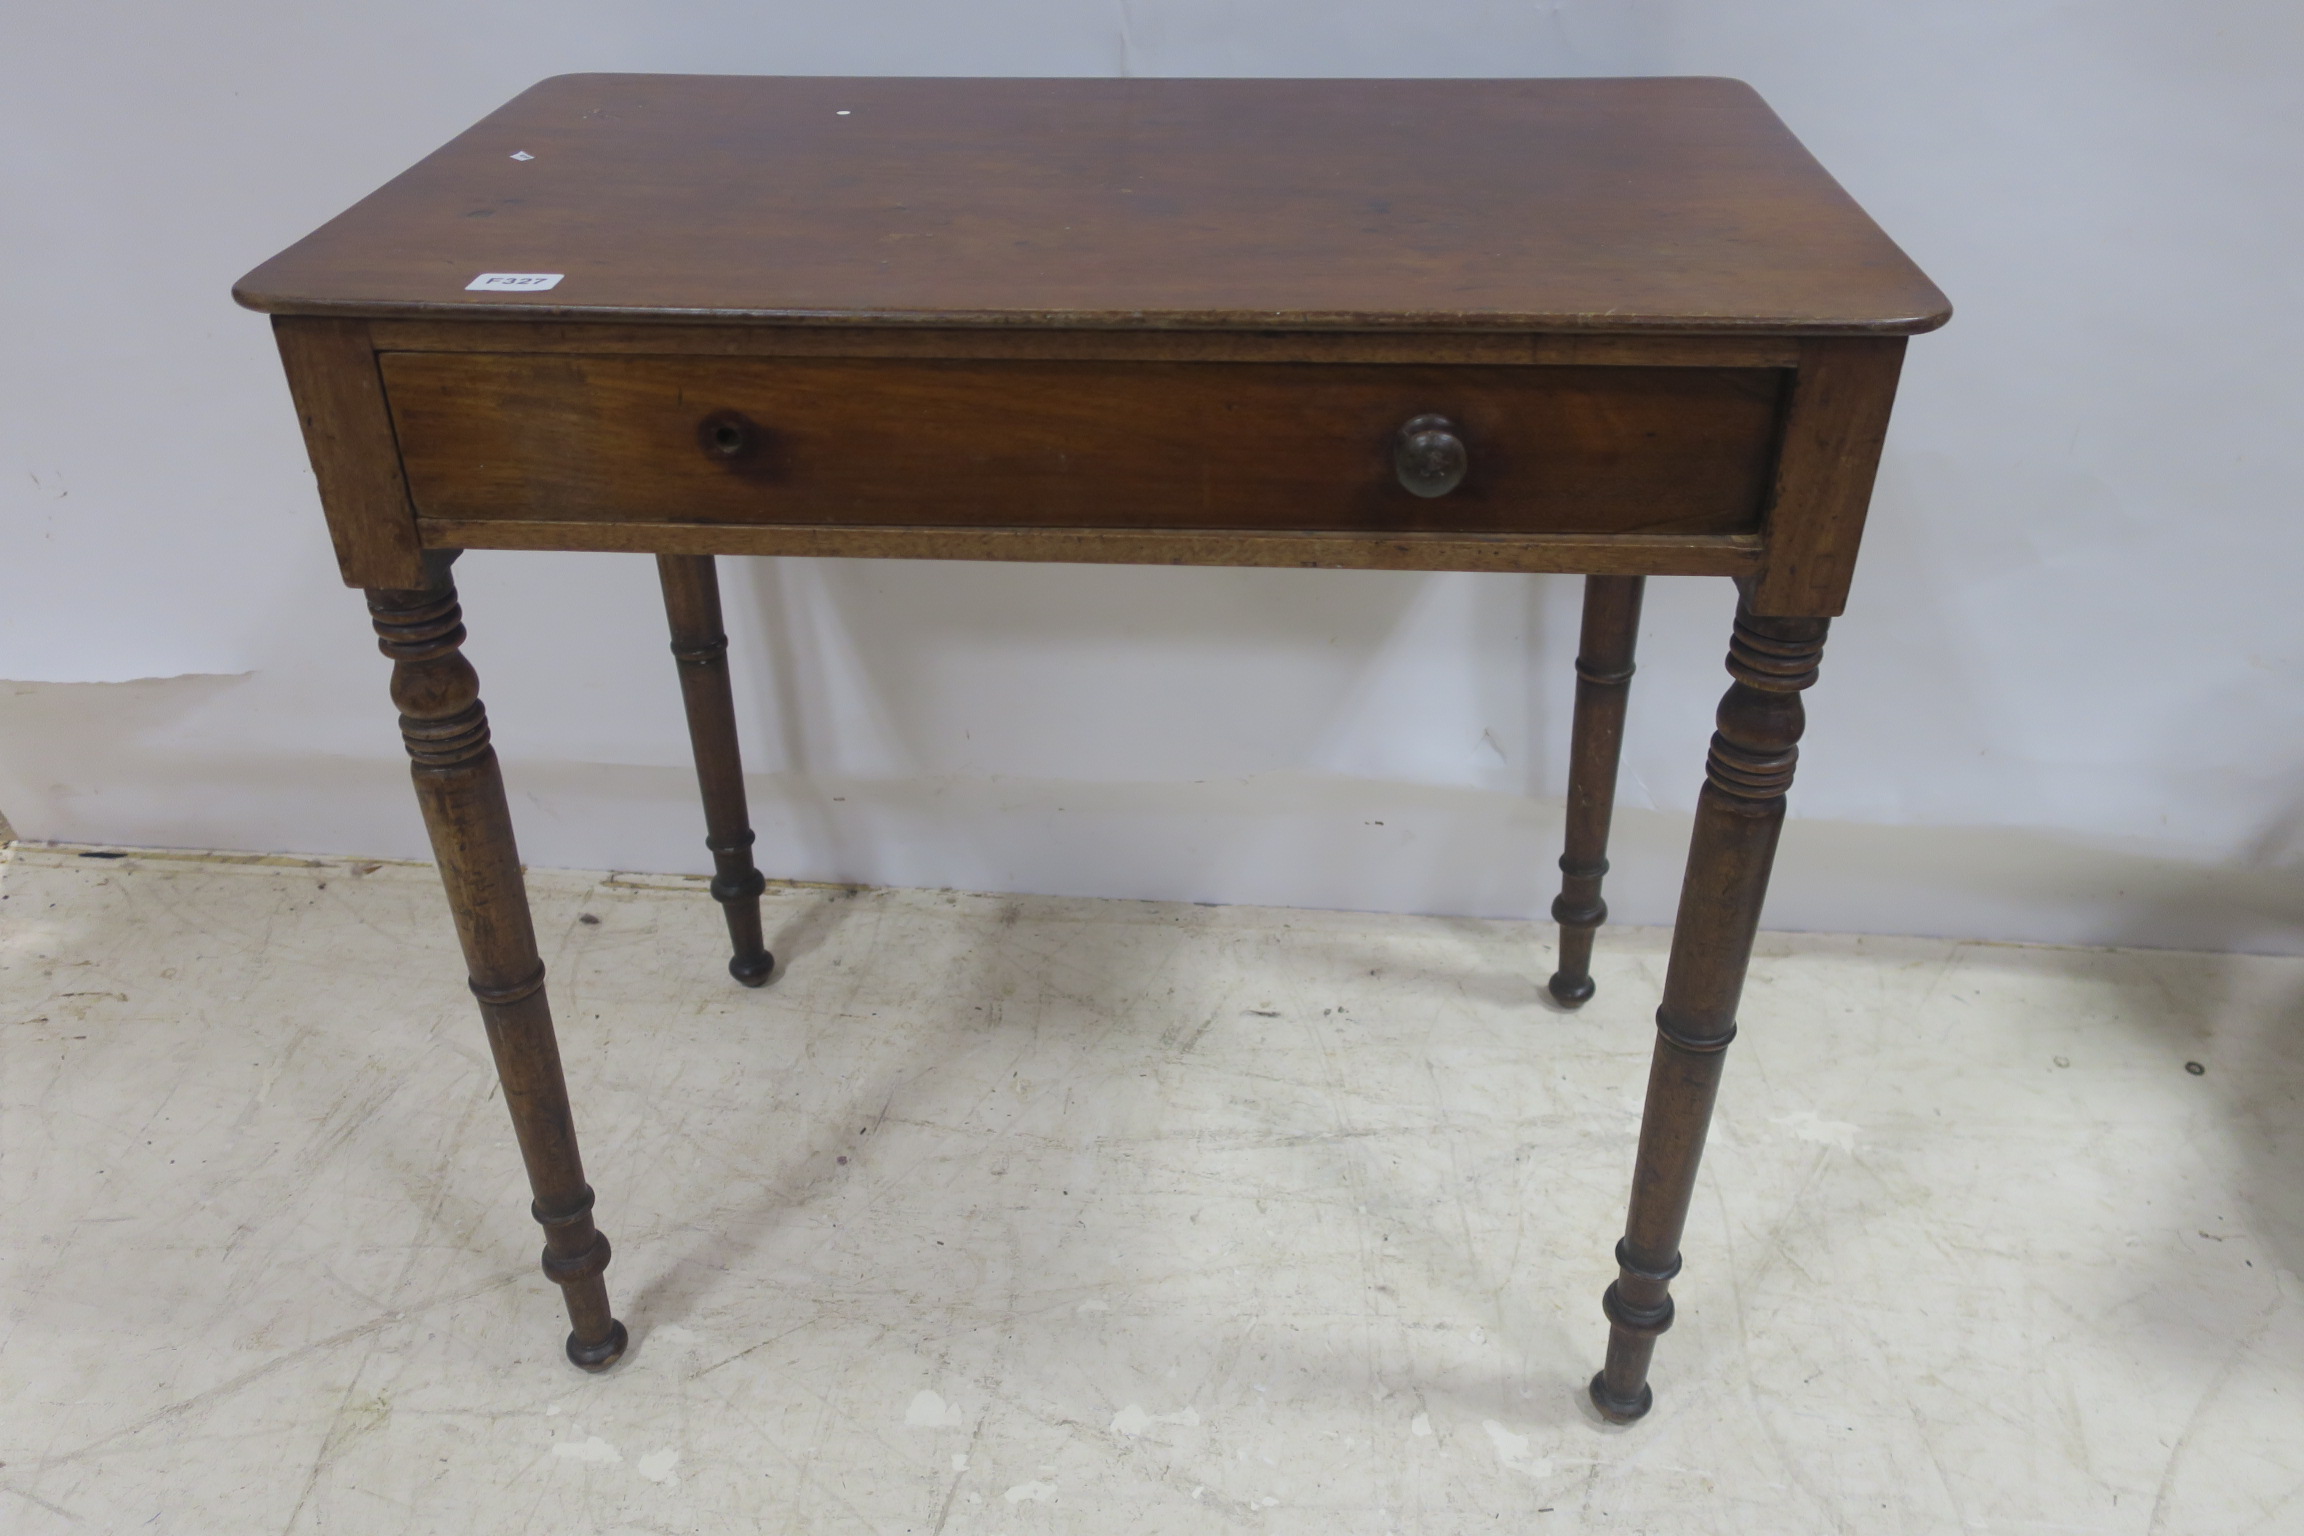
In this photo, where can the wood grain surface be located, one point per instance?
(659, 338)
(1637, 329)
(1836, 422)
(1076, 445)
(1623, 554)
(331, 367)
(1614, 205)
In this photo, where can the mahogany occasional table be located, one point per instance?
(1615, 327)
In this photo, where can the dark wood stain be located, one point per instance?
(700, 648)
(1739, 812)
(1595, 747)
(1672, 554)
(673, 338)
(1637, 330)
(331, 367)
(1602, 205)
(497, 437)
(461, 790)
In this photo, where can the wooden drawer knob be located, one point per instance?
(1429, 456)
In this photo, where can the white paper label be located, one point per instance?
(514, 282)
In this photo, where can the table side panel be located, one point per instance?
(1085, 445)
(332, 376)
(1835, 423)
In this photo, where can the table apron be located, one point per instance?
(1733, 555)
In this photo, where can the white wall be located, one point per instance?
(2068, 702)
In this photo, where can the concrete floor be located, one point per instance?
(1013, 1215)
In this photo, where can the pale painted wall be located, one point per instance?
(2069, 702)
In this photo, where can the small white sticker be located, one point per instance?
(521, 154)
(514, 282)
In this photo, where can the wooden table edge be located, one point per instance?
(1568, 553)
(1915, 324)
(603, 337)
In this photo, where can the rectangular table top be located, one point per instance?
(1673, 205)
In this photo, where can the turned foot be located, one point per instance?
(1617, 1411)
(602, 1353)
(1571, 988)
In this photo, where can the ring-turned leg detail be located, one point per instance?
(692, 605)
(461, 791)
(1603, 680)
(1738, 815)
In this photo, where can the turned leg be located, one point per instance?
(692, 604)
(1738, 814)
(462, 793)
(1603, 678)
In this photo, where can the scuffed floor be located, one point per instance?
(998, 1215)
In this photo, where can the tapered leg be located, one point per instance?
(692, 604)
(1603, 678)
(462, 793)
(1738, 814)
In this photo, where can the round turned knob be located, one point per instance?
(726, 434)
(1429, 456)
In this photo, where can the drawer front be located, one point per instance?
(911, 443)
